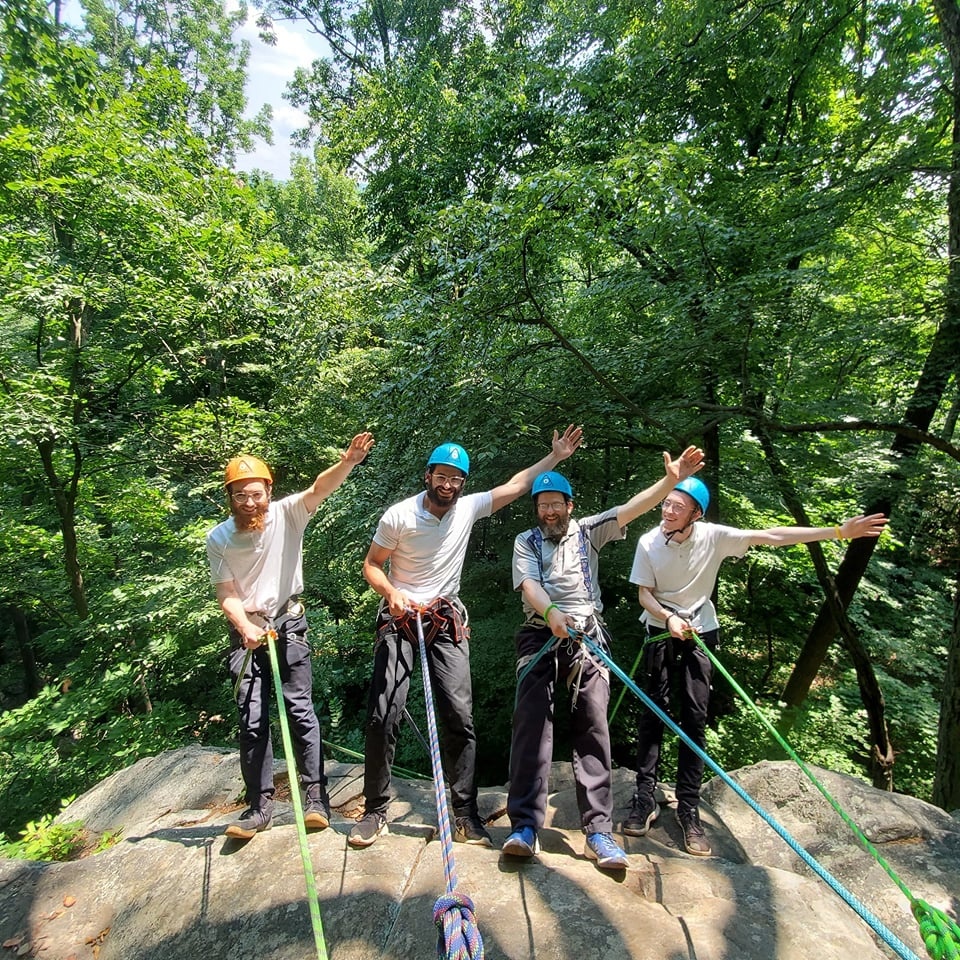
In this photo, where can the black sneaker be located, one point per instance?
(643, 811)
(367, 829)
(694, 839)
(316, 810)
(471, 830)
(252, 821)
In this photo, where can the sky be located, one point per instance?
(269, 70)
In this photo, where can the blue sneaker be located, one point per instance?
(603, 848)
(522, 843)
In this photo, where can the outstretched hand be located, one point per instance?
(686, 465)
(564, 446)
(359, 447)
(863, 526)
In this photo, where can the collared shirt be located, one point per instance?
(558, 566)
(427, 552)
(266, 565)
(682, 575)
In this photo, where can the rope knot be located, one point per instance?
(941, 935)
(458, 935)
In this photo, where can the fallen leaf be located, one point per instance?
(12, 942)
(24, 949)
(69, 901)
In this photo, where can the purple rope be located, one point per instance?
(458, 935)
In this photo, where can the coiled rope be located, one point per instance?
(894, 942)
(940, 933)
(458, 935)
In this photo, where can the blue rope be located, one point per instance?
(458, 937)
(894, 942)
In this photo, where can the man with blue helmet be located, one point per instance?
(555, 568)
(416, 559)
(675, 569)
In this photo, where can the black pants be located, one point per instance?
(448, 660)
(531, 751)
(682, 663)
(253, 701)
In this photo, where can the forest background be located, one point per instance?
(735, 224)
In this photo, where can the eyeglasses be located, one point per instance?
(554, 506)
(454, 482)
(257, 497)
(674, 505)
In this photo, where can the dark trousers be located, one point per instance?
(253, 701)
(531, 751)
(449, 665)
(683, 664)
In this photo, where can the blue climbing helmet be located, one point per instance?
(697, 489)
(551, 481)
(450, 455)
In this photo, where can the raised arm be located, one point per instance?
(687, 464)
(332, 477)
(562, 447)
(852, 529)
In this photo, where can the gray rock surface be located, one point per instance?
(175, 887)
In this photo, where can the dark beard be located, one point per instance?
(254, 523)
(444, 504)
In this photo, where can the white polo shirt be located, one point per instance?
(558, 567)
(682, 575)
(266, 565)
(427, 553)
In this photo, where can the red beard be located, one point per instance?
(250, 522)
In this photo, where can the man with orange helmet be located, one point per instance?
(423, 541)
(256, 567)
(675, 569)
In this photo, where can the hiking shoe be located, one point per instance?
(367, 829)
(522, 843)
(316, 811)
(603, 848)
(643, 811)
(694, 839)
(251, 822)
(471, 830)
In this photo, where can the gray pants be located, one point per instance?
(253, 702)
(531, 751)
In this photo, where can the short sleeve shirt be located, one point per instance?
(266, 565)
(559, 566)
(682, 575)
(426, 552)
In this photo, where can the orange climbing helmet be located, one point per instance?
(246, 467)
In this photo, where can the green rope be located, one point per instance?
(403, 771)
(941, 935)
(297, 804)
(633, 670)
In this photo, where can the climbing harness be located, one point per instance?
(633, 669)
(288, 753)
(459, 937)
(875, 924)
(940, 933)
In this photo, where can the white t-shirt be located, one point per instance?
(427, 553)
(682, 575)
(559, 567)
(267, 566)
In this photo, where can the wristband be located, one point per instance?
(838, 533)
(666, 622)
(550, 606)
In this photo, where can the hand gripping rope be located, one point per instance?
(894, 942)
(288, 753)
(941, 935)
(459, 937)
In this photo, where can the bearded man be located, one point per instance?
(256, 566)
(423, 540)
(555, 568)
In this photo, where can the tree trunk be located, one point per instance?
(946, 783)
(940, 365)
(21, 629)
